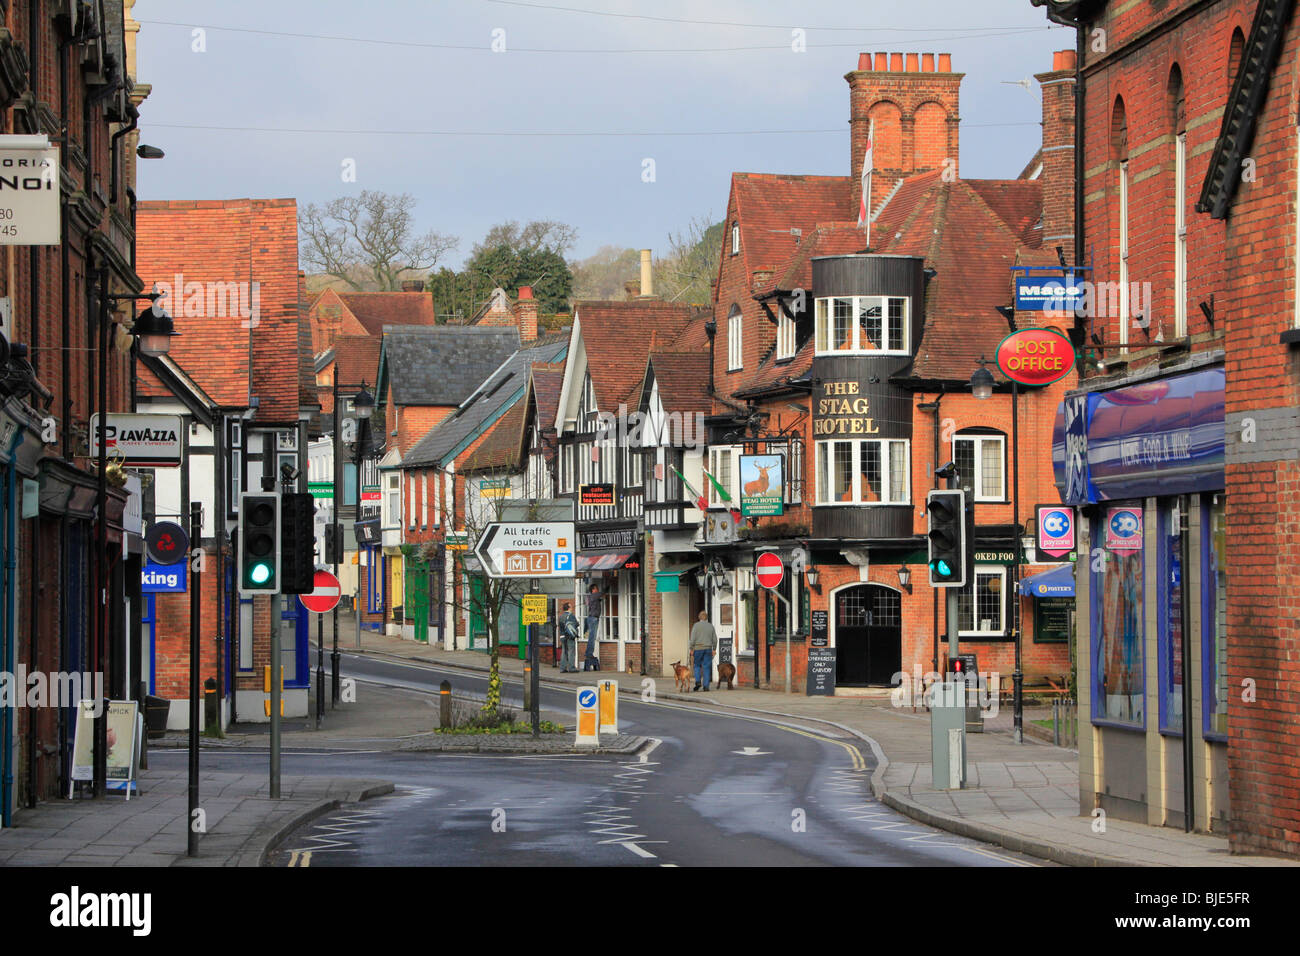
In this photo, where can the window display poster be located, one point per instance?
(1124, 529)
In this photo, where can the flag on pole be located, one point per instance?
(723, 494)
(868, 161)
(698, 498)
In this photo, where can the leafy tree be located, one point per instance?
(686, 272)
(543, 269)
(369, 241)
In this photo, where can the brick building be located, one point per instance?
(239, 376)
(66, 74)
(1185, 420)
(822, 333)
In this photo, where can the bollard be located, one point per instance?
(210, 705)
(444, 704)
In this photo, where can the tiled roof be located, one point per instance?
(683, 381)
(495, 394)
(768, 206)
(693, 337)
(619, 336)
(230, 241)
(1019, 203)
(548, 380)
(500, 449)
(972, 250)
(374, 310)
(441, 365)
(773, 375)
(357, 358)
(827, 239)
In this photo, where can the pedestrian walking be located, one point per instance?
(704, 641)
(567, 630)
(595, 596)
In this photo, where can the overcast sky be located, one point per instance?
(293, 104)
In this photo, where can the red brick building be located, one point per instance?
(1190, 156)
(823, 333)
(71, 81)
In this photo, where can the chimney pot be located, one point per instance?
(882, 62)
(525, 292)
(1064, 60)
(927, 62)
(895, 63)
(913, 63)
(647, 275)
(945, 62)
(864, 61)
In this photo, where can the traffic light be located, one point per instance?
(297, 543)
(947, 538)
(333, 545)
(259, 542)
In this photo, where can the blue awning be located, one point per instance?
(1058, 582)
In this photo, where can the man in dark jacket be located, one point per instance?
(595, 595)
(567, 631)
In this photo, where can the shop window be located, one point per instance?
(1118, 661)
(1170, 640)
(982, 602)
(1214, 617)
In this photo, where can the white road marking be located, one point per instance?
(641, 851)
(753, 752)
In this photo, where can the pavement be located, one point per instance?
(1023, 797)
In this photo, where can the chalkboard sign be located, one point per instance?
(724, 649)
(821, 671)
(819, 622)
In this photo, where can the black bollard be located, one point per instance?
(444, 704)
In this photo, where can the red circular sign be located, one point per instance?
(769, 569)
(324, 595)
(1035, 356)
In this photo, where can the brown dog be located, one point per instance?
(683, 674)
(727, 674)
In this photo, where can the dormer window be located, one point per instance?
(785, 339)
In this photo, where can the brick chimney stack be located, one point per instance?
(526, 314)
(412, 285)
(914, 101)
(1057, 176)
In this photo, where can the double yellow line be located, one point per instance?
(855, 755)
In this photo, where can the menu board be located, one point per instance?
(821, 671)
(1052, 620)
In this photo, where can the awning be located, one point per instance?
(607, 561)
(668, 581)
(1059, 582)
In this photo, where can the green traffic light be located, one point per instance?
(259, 573)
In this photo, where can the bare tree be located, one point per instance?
(369, 240)
(540, 235)
(691, 263)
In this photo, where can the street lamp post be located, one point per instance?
(364, 405)
(981, 382)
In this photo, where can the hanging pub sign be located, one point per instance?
(599, 494)
(29, 191)
(762, 485)
(1035, 356)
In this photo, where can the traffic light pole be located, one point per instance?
(275, 696)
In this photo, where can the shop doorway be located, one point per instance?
(868, 636)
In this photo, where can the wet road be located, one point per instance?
(714, 790)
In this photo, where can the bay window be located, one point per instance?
(864, 323)
(863, 472)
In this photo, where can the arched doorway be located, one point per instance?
(868, 635)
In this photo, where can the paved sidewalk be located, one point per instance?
(242, 820)
(1024, 797)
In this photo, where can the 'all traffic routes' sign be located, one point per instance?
(527, 549)
(324, 594)
(769, 569)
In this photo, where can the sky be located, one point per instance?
(624, 118)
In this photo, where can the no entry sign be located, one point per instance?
(324, 595)
(769, 569)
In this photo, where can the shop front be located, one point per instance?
(610, 557)
(1145, 463)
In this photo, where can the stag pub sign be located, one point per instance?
(762, 485)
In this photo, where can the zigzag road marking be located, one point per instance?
(341, 825)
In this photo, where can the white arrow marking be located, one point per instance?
(752, 752)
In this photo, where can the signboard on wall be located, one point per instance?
(819, 628)
(138, 440)
(29, 191)
(762, 485)
(597, 494)
(1124, 529)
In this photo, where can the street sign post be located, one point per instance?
(537, 549)
(608, 693)
(324, 594)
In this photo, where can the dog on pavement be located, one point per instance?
(727, 674)
(683, 674)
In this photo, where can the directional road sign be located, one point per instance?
(324, 594)
(769, 569)
(537, 549)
